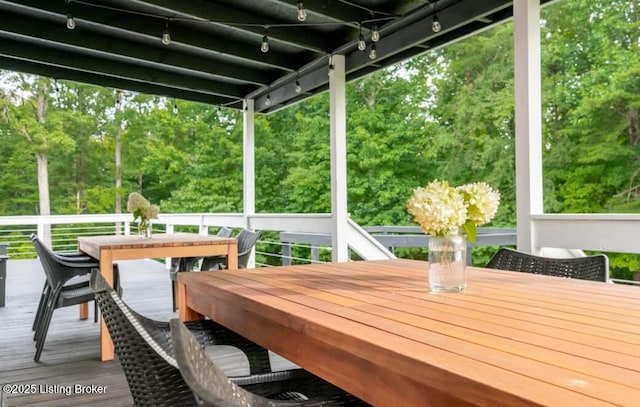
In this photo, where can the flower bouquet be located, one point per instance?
(441, 210)
(143, 212)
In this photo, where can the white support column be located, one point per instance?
(249, 167)
(338, 118)
(528, 116)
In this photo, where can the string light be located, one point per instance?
(267, 101)
(175, 108)
(436, 26)
(302, 13)
(71, 23)
(362, 45)
(375, 35)
(373, 54)
(298, 87)
(264, 47)
(166, 35)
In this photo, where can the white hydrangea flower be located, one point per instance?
(482, 202)
(141, 208)
(438, 208)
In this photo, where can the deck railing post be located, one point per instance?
(3, 272)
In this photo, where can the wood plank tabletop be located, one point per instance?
(158, 240)
(375, 329)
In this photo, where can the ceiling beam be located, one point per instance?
(413, 35)
(30, 50)
(152, 54)
(143, 28)
(61, 73)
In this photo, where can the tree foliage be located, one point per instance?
(447, 114)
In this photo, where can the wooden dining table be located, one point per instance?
(109, 248)
(374, 329)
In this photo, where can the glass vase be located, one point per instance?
(447, 263)
(145, 229)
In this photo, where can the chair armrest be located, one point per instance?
(209, 333)
(75, 257)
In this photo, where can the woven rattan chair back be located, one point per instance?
(594, 267)
(151, 372)
(180, 264)
(247, 239)
(145, 350)
(214, 389)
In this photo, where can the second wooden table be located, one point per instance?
(110, 248)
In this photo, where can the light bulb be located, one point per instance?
(265, 44)
(373, 54)
(166, 35)
(175, 108)
(302, 13)
(298, 87)
(375, 35)
(436, 26)
(267, 101)
(362, 45)
(71, 23)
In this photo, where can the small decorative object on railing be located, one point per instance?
(441, 210)
(142, 212)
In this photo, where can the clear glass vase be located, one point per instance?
(447, 262)
(145, 229)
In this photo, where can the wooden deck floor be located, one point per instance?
(71, 352)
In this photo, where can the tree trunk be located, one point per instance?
(42, 159)
(118, 151)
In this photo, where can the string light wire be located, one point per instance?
(265, 46)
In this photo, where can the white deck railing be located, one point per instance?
(598, 232)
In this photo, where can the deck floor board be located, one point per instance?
(71, 352)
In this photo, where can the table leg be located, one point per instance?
(84, 310)
(232, 256)
(106, 269)
(184, 312)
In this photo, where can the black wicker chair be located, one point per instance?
(145, 351)
(179, 264)
(246, 241)
(213, 388)
(594, 267)
(66, 284)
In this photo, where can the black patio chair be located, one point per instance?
(180, 264)
(66, 284)
(246, 241)
(69, 257)
(595, 267)
(145, 351)
(212, 388)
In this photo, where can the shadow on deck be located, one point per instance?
(71, 352)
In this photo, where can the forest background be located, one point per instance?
(448, 114)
